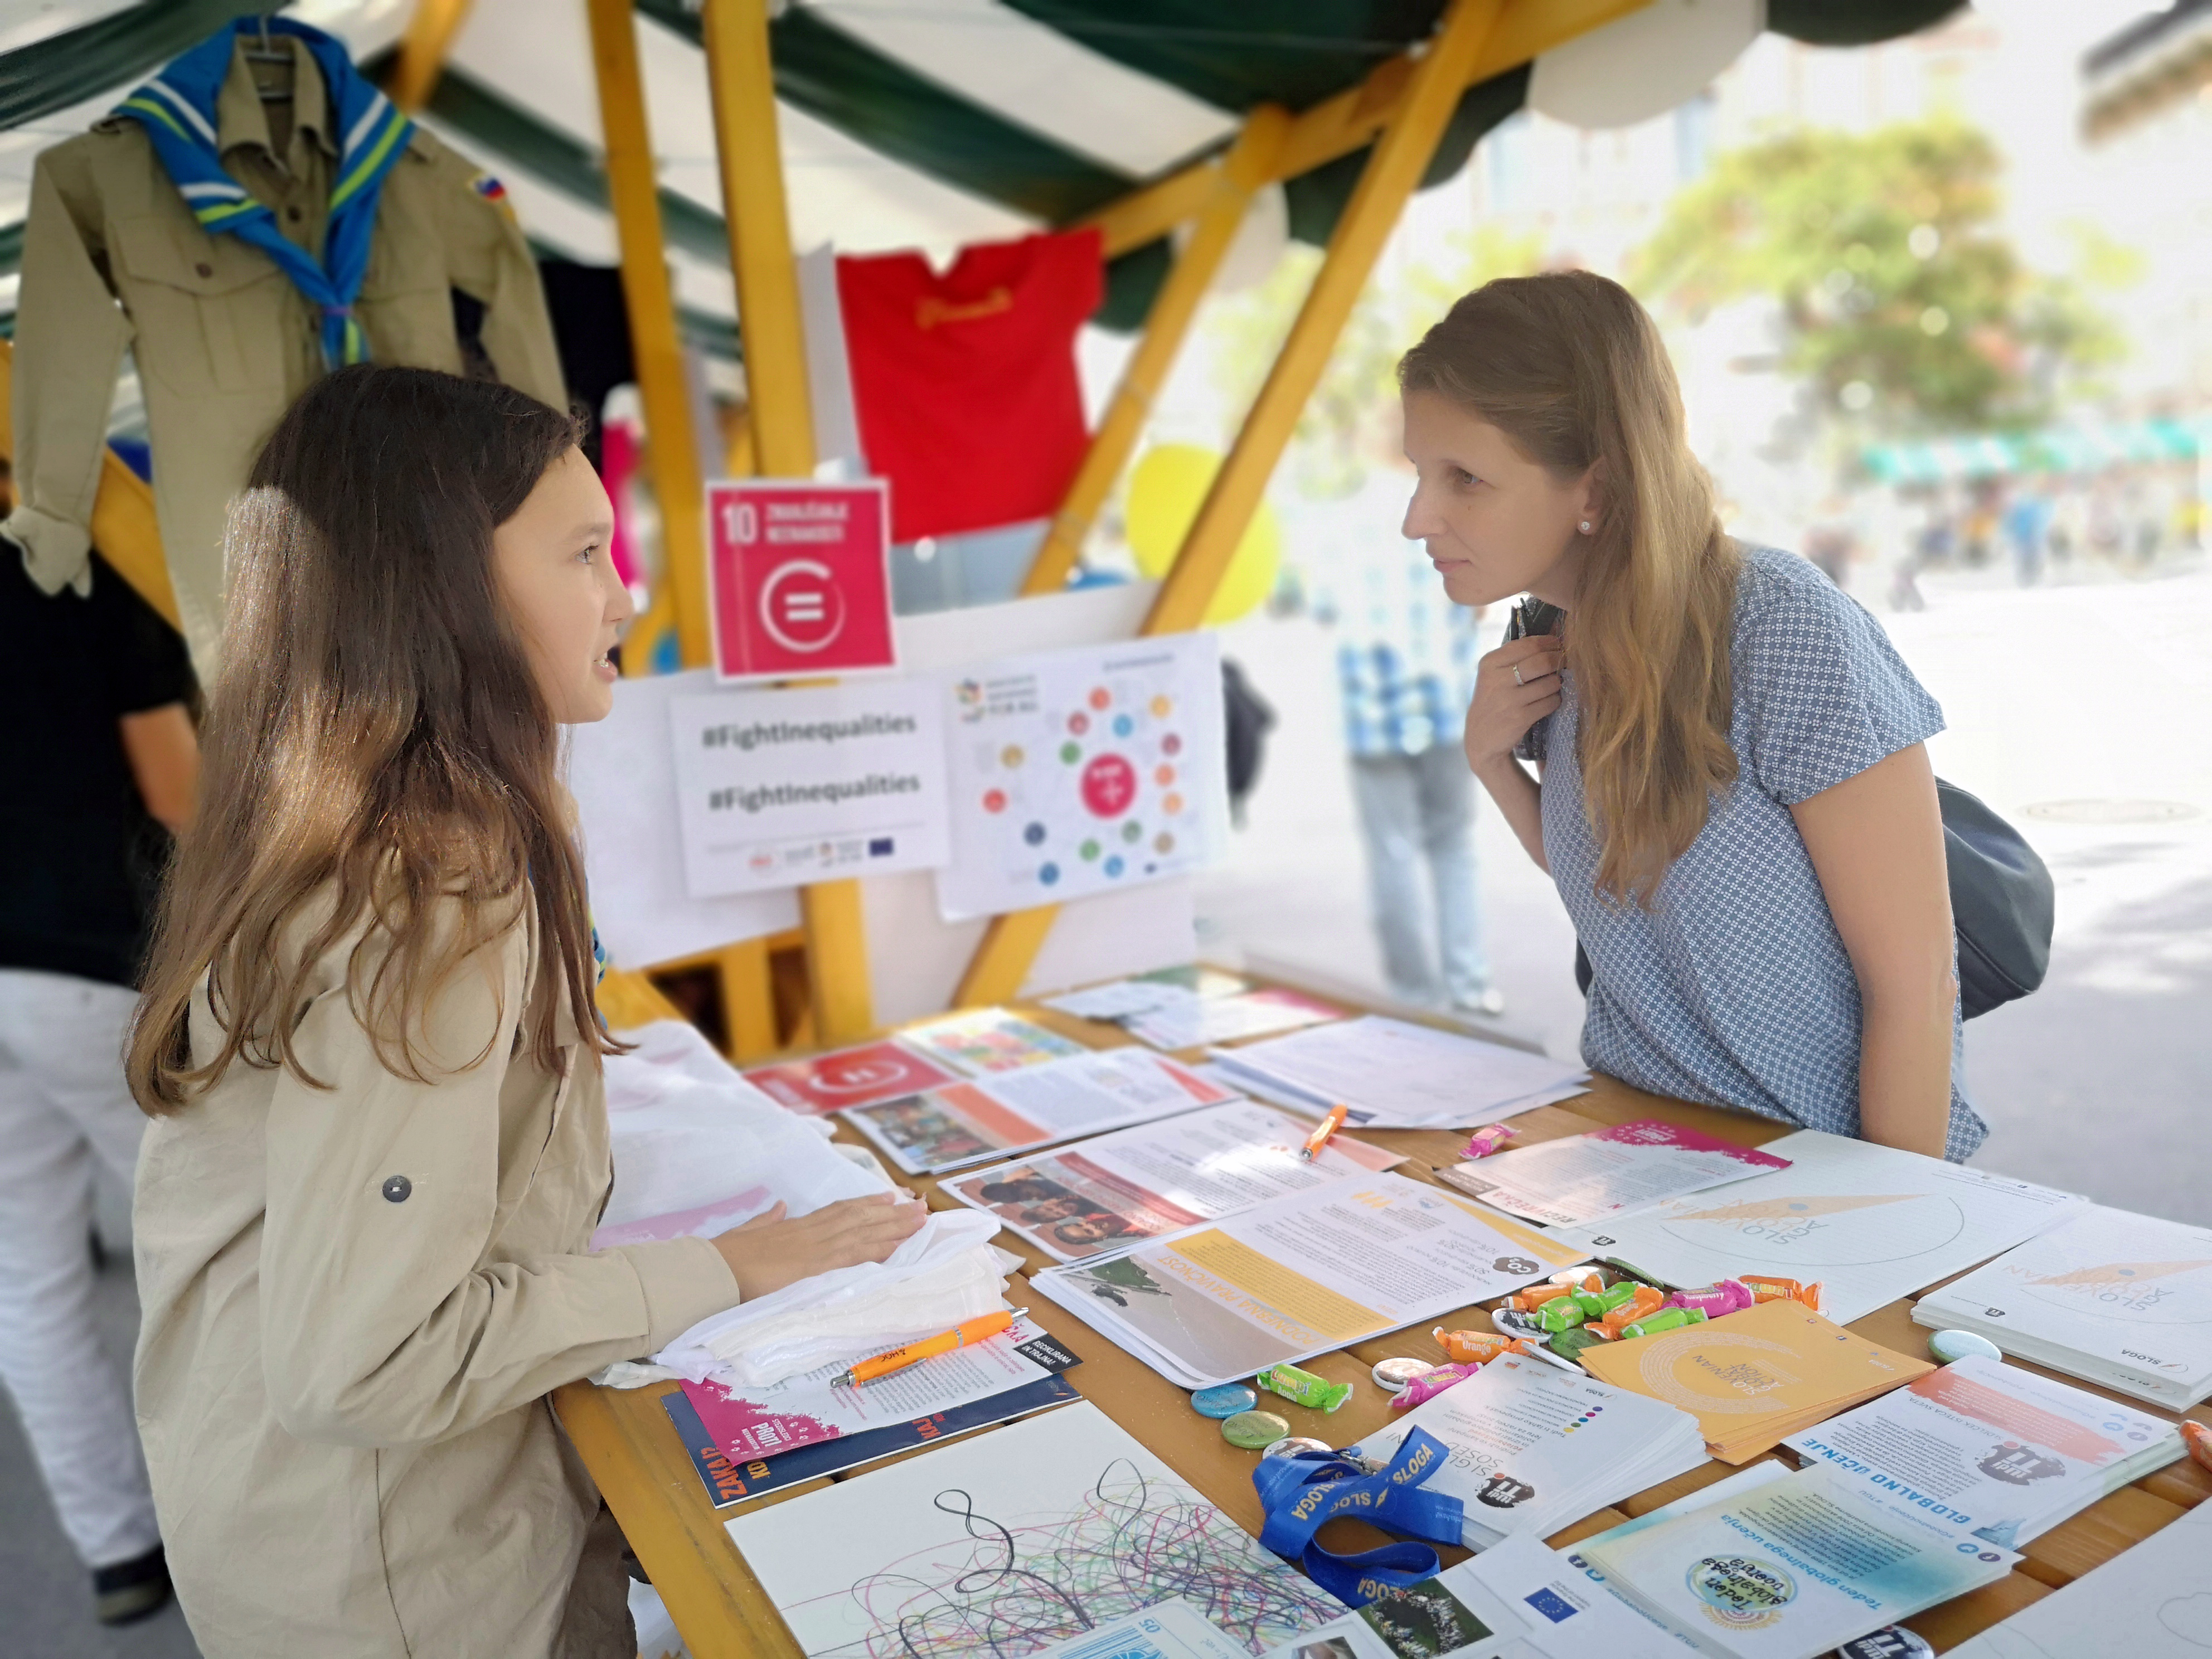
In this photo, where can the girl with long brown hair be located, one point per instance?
(370, 1051)
(1734, 794)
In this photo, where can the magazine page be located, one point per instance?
(966, 1122)
(1300, 1275)
(1159, 1178)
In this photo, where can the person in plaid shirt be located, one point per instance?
(1405, 658)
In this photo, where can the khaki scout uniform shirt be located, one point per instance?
(224, 343)
(355, 1300)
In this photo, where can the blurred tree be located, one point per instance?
(1359, 386)
(1903, 300)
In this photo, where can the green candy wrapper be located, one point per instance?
(1303, 1388)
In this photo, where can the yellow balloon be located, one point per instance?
(1165, 492)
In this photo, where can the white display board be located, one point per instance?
(1079, 771)
(622, 774)
(779, 786)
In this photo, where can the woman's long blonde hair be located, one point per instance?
(376, 746)
(1571, 368)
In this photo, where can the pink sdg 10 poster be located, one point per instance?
(1076, 771)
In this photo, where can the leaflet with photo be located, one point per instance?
(1579, 1178)
(984, 1042)
(1300, 1275)
(1160, 1177)
(1995, 1450)
(1088, 1092)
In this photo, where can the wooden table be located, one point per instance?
(642, 1468)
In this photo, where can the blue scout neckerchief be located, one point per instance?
(177, 108)
(1300, 1492)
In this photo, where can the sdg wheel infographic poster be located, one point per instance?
(1076, 771)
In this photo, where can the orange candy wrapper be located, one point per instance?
(2198, 1439)
(1764, 1289)
(1472, 1347)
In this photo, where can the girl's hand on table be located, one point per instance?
(769, 1252)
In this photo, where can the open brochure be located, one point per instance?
(2121, 1300)
(1035, 1106)
(1795, 1568)
(1393, 1074)
(1158, 1178)
(1579, 1178)
(1870, 1223)
(1300, 1275)
(1995, 1451)
(1532, 1448)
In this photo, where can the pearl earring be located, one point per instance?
(1585, 526)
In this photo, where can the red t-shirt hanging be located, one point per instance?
(964, 384)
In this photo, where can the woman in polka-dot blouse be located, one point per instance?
(1733, 791)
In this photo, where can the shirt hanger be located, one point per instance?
(264, 51)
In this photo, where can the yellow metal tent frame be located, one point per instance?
(1401, 109)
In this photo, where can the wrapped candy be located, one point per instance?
(1471, 1347)
(1716, 1301)
(1430, 1384)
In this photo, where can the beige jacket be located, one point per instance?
(355, 1300)
(112, 259)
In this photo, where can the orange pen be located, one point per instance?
(1328, 1126)
(975, 1330)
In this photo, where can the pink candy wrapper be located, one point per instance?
(1429, 1384)
(1729, 1295)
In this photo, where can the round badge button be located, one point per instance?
(396, 1188)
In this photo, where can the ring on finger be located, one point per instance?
(1517, 674)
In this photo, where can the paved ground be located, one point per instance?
(2092, 692)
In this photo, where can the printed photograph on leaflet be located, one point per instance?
(776, 788)
(1302, 1274)
(985, 1041)
(1076, 771)
(1159, 1178)
(1032, 1106)
(1993, 1449)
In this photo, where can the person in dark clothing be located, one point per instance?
(101, 766)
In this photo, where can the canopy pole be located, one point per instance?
(741, 80)
(1437, 79)
(430, 31)
(656, 348)
(1247, 167)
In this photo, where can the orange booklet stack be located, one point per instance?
(1753, 1378)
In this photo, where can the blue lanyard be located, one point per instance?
(1302, 1491)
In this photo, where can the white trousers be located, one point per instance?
(63, 1104)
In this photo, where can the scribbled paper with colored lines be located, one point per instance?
(1011, 1541)
(1870, 1223)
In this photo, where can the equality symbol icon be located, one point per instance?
(800, 606)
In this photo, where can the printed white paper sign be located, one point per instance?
(776, 789)
(1076, 771)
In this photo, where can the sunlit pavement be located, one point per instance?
(2098, 694)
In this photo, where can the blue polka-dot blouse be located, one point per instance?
(1734, 988)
